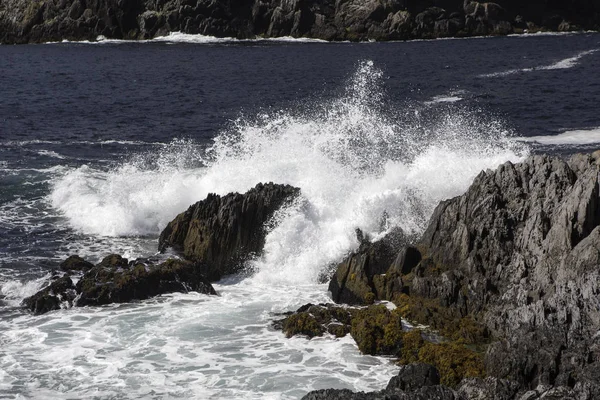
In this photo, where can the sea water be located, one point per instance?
(98, 154)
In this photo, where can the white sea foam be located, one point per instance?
(560, 64)
(50, 153)
(353, 160)
(575, 137)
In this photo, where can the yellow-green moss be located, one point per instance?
(453, 360)
(302, 324)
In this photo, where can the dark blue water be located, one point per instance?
(102, 144)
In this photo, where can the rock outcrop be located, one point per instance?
(115, 280)
(24, 21)
(413, 382)
(512, 266)
(222, 232)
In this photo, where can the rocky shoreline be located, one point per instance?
(498, 299)
(24, 21)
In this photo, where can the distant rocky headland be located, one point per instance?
(26, 21)
(498, 299)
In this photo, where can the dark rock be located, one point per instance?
(414, 376)
(488, 388)
(23, 21)
(113, 261)
(60, 291)
(75, 263)
(314, 320)
(361, 277)
(224, 232)
(115, 284)
(518, 252)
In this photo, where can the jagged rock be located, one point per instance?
(60, 291)
(414, 376)
(519, 251)
(314, 320)
(222, 232)
(75, 263)
(118, 284)
(23, 21)
(488, 389)
(417, 379)
(361, 277)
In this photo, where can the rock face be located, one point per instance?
(512, 265)
(520, 252)
(115, 280)
(413, 382)
(223, 232)
(373, 271)
(24, 21)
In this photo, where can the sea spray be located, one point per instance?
(355, 158)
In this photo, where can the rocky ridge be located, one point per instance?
(510, 268)
(24, 21)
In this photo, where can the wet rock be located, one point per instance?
(488, 388)
(61, 292)
(361, 278)
(314, 320)
(117, 284)
(414, 376)
(417, 380)
(518, 253)
(115, 280)
(75, 263)
(222, 232)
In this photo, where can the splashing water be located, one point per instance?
(352, 157)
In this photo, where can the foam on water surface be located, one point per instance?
(574, 138)
(566, 63)
(359, 164)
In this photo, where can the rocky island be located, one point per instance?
(499, 298)
(23, 21)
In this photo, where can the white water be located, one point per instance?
(354, 160)
(574, 138)
(566, 63)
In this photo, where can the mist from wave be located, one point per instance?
(359, 164)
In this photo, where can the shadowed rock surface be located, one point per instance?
(23, 21)
(222, 232)
(115, 280)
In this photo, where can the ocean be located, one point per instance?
(102, 144)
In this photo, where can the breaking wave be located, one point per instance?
(359, 163)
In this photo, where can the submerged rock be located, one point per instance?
(222, 232)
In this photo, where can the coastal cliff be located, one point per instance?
(505, 278)
(23, 21)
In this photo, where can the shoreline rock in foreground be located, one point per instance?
(116, 280)
(222, 232)
(23, 21)
(511, 267)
